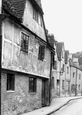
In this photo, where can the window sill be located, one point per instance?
(10, 91)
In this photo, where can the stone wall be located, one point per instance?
(20, 100)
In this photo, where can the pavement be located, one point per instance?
(56, 104)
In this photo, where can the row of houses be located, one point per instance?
(34, 67)
(66, 73)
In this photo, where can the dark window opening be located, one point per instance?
(24, 42)
(68, 70)
(41, 52)
(10, 81)
(35, 15)
(32, 84)
(73, 74)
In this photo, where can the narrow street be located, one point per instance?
(72, 108)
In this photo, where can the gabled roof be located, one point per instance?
(16, 7)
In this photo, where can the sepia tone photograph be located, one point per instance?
(40, 57)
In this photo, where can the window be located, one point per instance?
(72, 87)
(55, 65)
(41, 21)
(24, 42)
(32, 84)
(63, 68)
(73, 74)
(35, 15)
(58, 82)
(68, 70)
(10, 81)
(41, 52)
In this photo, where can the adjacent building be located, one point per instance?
(76, 80)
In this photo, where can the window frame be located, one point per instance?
(41, 54)
(35, 15)
(32, 84)
(10, 82)
(25, 43)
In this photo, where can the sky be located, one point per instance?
(63, 18)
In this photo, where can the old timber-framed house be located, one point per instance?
(26, 57)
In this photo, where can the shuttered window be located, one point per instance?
(24, 42)
(41, 52)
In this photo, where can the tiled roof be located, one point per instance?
(16, 7)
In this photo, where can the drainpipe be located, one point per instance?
(70, 80)
(65, 78)
(60, 79)
(50, 80)
(76, 83)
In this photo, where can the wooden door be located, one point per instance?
(43, 93)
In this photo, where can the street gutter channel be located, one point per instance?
(62, 106)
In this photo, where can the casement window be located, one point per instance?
(24, 42)
(35, 15)
(41, 53)
(32, 84)
(10, 82)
